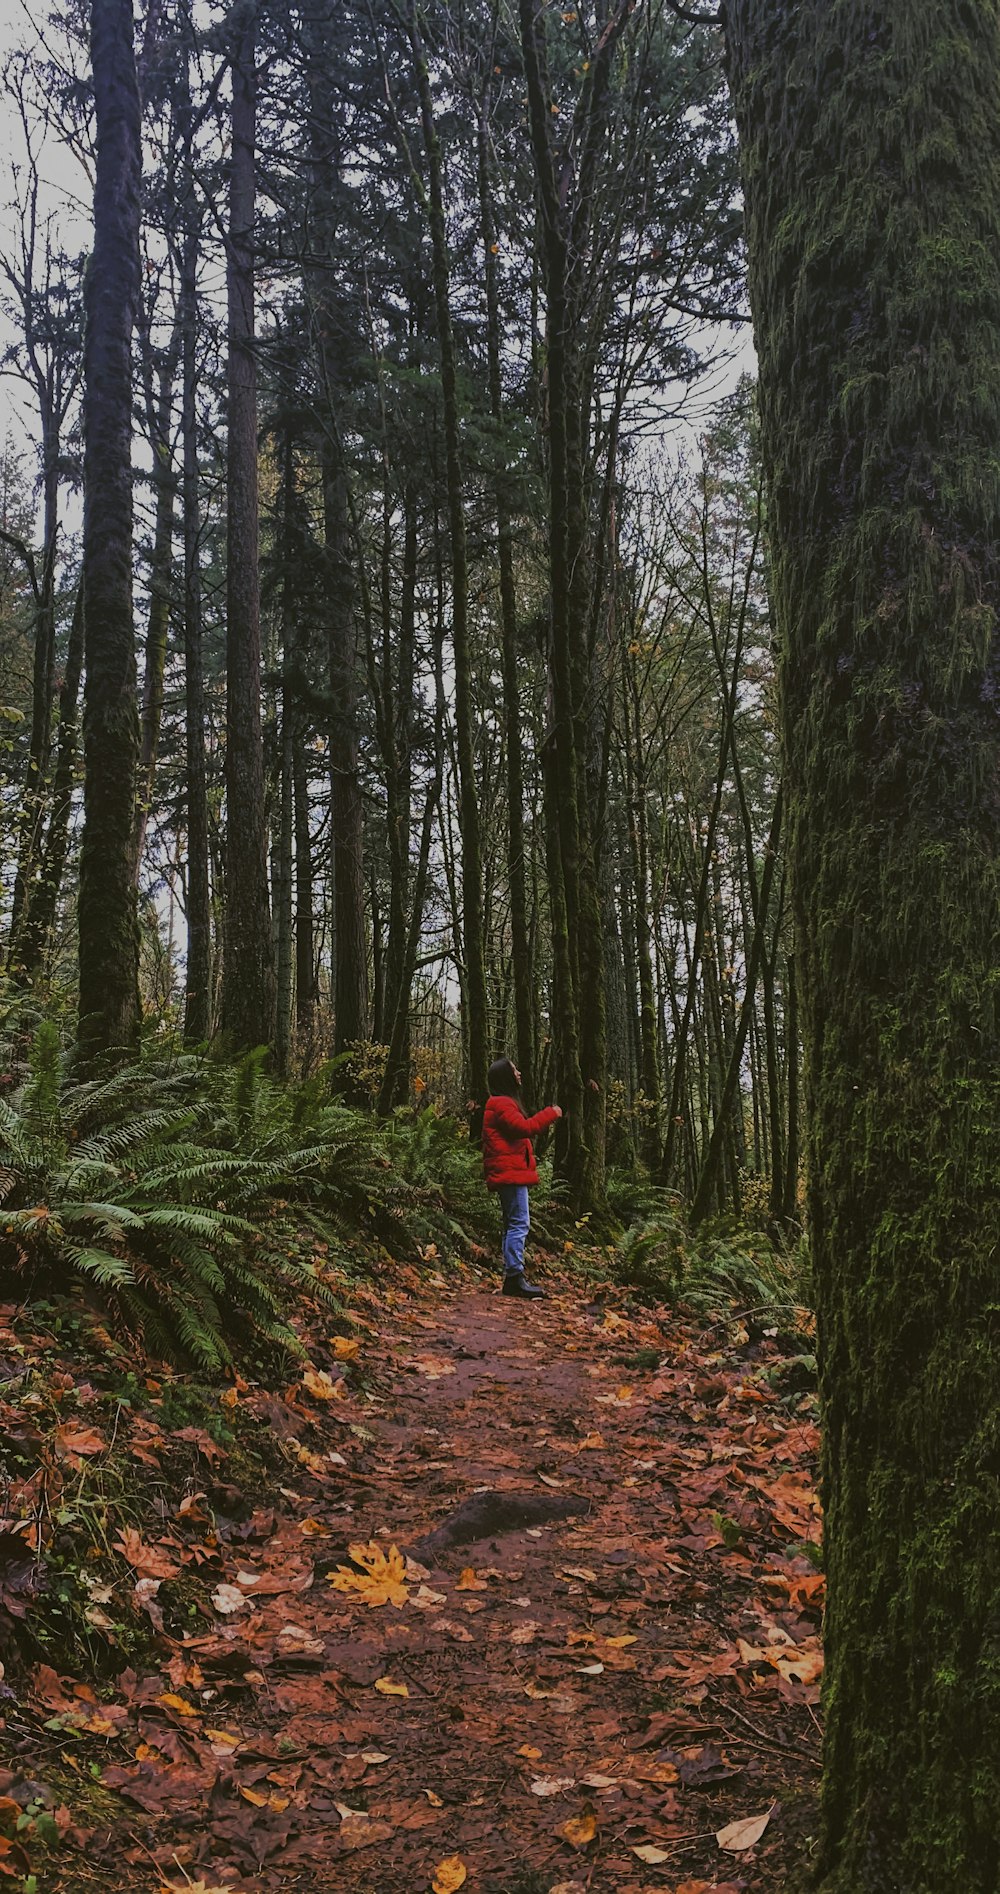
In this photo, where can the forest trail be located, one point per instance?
(567, 1702)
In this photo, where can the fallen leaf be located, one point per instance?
(359, 1831)
(435, 1801)
(295, 1641)
(580, 1830)
(180, 1704)
(739, 1835)
(381, 1579)
(653, 1857)
(547, 1480)
(590, 1670)
(152, 1561)
(449, 1875)
(228, 1598)
(386, 1688)
(427, 1600)
(194, 1887)
(344, 1348)
(552, 1785)
(83, 1440)
(579, 1571)
(528, 1750)
(321, 1386)
(563, 1702)
(467, 1581)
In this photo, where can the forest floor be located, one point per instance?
(579, 1652)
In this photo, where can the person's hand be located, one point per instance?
(592, 1085)
(558, 1110)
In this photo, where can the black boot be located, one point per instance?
(514, 1284)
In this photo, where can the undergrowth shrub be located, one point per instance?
(203, 1200)
(120, 1182)
(709, 1271)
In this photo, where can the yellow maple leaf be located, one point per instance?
(449, 1875)
(380, 1580)
(321, 1386)
(579, 1831)
(345, 1348)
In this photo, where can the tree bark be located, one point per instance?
(248, 986)
(39, 917)
(524, 1011)
(870, 140)
(476, 1024)
(109, 933)
(198, 978)
(161, 570)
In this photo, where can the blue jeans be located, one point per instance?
(516, 1224)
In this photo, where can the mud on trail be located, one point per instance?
(590, 1663)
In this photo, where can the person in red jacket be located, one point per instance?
(509, 1163)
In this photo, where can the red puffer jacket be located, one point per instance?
(508, 1157)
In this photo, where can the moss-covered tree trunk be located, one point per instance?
(248, 987)
(198, 982)
(871, 157)
(476, 1024)
(109, 933)
(513, 716)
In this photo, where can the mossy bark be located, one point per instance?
(109, 932)
(248, 991)
(871, 155)
(476, 1025)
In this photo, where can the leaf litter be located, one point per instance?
(645, 1635)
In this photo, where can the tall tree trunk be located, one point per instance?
(198, 980)
(875, 285)
(109, 932)
(39, 917)
(708, 1183)
(34, 800)
(306, 995)
(524, 1011)
(248, 985)
(790, 1207)
(476, 1023)
(350, 993)
(158, 621)
(350, 972)
(285, 836)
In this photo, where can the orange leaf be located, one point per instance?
(467, 1581)
(580, 1830)
(346, 1349)
(449, 1875)
(386, 1688)
(380, 1580)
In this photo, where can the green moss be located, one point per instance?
(871, 148)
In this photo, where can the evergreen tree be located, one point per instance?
(109, 935)
(871, 158)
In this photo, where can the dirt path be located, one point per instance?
(579, 1700)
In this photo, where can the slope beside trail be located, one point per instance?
(603, 1650)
